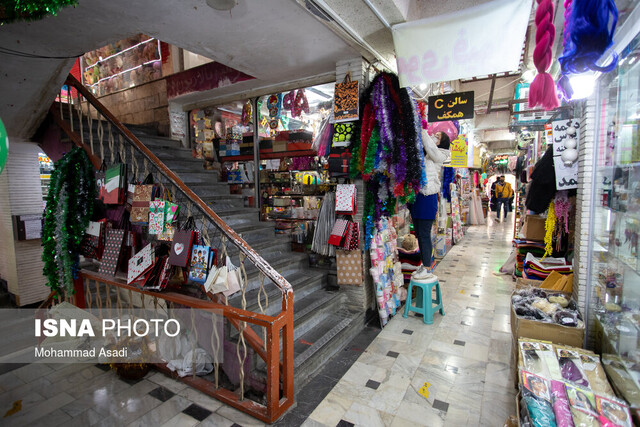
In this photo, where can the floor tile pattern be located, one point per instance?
(452, 373)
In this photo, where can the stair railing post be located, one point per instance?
(256, 153)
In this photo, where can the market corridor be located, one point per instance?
(461, 362)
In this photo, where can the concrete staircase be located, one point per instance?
(323, 323)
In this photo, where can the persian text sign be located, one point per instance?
(476, 41)
(459, 152)
(452, 106)
(566, 175)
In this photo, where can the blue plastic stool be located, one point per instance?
(427, 308)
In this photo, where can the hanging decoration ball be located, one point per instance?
(447, 127)
(569, 156)
(571, 143)
(572, 132)
(33, 10)
(4, 146)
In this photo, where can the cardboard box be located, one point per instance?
(441, 245)
(557, 334)
(293, 146)
(533, 228)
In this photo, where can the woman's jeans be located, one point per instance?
(422, 228)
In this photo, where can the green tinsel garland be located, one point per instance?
(372, 150)
(72, 190)
(33, 10)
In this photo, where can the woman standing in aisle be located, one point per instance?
(424, 209)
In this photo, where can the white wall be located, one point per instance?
(21, 194)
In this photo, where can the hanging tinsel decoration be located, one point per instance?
(69, 206)
(386, 150)
(12, 11)
(543, 89)
(549, 229)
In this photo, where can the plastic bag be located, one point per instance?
(203, 363)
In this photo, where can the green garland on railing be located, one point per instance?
(30, 10)
(72, 190)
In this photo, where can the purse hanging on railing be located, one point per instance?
(92, 244)
(182, 243)
(171, 211)
(100, 174)
(115, 184)
(142, 196)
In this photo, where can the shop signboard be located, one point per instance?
(452, 106)
(462, 44)
(566, 174)
(459, 151)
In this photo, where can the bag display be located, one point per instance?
(181, 244)
(346, 199)
(92, 244)
(338, 161)
(114, 184)
(216, 280)
(199, 263)
(140, 263)
(100, 175)
(114, 241)
(156, 216)
(349, 264)
(342, 133)
(234, 279)
(346, 103)
(339, 232)
(352, 242)
(142, 195)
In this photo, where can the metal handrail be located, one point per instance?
(244, 247)
(266, 348)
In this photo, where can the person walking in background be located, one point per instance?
(503, 193)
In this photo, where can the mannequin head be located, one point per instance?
(442, 140)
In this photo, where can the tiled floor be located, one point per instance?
(454, 372)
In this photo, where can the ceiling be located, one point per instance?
(275, 41)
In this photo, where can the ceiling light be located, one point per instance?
(423, 86)
(582, 85)
(528, 76)
(222, 4)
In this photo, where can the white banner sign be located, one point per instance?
(477, 41)
(566, 176)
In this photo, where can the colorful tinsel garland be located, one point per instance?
(387, 150)
(13, 11)
(69, 206)
(549, 229)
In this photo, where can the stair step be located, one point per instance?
(320, 343)
(203, 177)
(219, 190)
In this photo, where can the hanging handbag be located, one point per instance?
(92, 244)
(338, 161)
(338, 233)
(346, 197)
(143, 194)
(181, 244)
(100, 174)
(345, 95)
(114, 241)
(199, 263)
(140, 263)
(156, 216)
(354, 237)
(234, 279)
(349, 267)
(114, 184)
(342, 133)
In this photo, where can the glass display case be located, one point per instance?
(615, 265)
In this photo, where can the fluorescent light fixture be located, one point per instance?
(423, 86)
(582, 85)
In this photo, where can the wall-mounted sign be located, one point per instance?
(459, 152)
(452, 106)
(566, 173)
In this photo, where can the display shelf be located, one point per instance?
(269, 155)
(290, 219)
